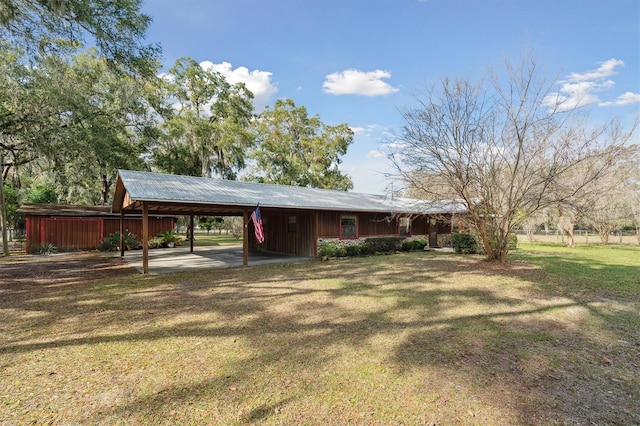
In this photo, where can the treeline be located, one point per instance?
(71, 116)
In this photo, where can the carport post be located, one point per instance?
(145, 238)
(192, 232)
(121, 232)
(245, 238)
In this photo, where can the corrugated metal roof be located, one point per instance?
(64, 210)
(146, 186)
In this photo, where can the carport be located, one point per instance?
(183, 258)
(151, 194)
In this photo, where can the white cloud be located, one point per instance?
(259, 82)
(606, 69)
(376, 154)
(354, 82)
(357, 130)
(580, 88)
(626, 98)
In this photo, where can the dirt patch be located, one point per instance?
(73, 266)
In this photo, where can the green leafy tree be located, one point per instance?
(106, 129)
(41, 193)
(73, 121)
(295, 149)
(117, 28)
(207, 131)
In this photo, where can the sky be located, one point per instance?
(362, 62)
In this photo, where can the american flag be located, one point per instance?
(257, 224)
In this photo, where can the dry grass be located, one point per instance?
(420, 338)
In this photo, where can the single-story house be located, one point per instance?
(295, 219)
(74, 227)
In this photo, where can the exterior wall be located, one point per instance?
(300, 232)
(283, 236)
(86, 233)
(157, 225)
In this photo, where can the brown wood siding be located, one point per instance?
(420, 226)
(73, 233)
(277, 236)
(157, 225)
(328, 224)
(443, 227)
(372, 225)
(369, 224)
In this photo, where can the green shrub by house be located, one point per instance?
(464, 243)
(112, 242)
(327, 250)
(383, 244)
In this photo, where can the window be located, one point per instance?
(291, 224)
(348, 227)
(404, 227)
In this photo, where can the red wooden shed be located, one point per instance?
(75, 227)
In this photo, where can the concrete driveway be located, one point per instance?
(179, 259)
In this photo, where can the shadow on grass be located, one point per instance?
(519, 351)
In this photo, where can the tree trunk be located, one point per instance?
(106, 185)
(3, 210)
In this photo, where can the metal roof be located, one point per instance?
(64, 210)
(167, 188)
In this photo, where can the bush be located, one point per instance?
(464, 243)
(112, 242)
(170, 236)
(411, 245)
(419, 244)
(154, 243)
(512, 241)
(45, 248)
(383, 244)
(352, 250)
(327, 250)
(407, 245)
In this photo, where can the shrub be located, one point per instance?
(512, 241)
(407, 245)
(112, 242)
(352, 250)
(464, 243)
(419, 244)
(154, 243)
(341, 251)
(411, 245)
(383, 244)
(45, 248)
(328, 250)
(170, 236)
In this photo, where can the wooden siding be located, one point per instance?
(157, 225)
(279, 238)
(420, 226)
(369, 224)
(74, 233)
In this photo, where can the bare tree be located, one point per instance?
(505, 149)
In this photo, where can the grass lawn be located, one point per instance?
(415, 338)
(213, 239)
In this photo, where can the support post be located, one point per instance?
(121, 232)
(315, 233)
(145, 238)
(245, 238)
(191, 227)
